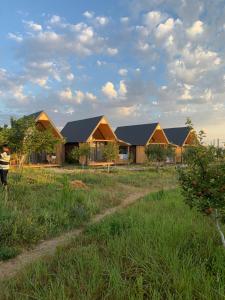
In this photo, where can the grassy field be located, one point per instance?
(43, 203)
(156, 249)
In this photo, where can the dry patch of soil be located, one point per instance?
(78, 184)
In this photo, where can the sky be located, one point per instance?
(135, 61)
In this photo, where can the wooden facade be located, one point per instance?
(139, 137)
(190, 141)
(158, 137)
(181, 138)
(99, 134)
(43, 122)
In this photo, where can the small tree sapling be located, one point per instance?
(111, 153)
(156, 153)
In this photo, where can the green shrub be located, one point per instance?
(203, 181)
(8, 252)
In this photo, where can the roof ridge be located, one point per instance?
(154, 123)
(86, 119)
(176, 127)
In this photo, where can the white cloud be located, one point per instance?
(193, 64)
(18, 94)
(124, 20)
(122, 89)
(88, 14)
(162, 34)
(55, 19)
(15, 37)
(77, 97)
(40, 81)
(86, 35)
(143, 46)
(91, 96)
(196, 29)
(33, 26)
(127, 110)
(66, 94)
(207, 95)
(165, 28)
(102, 20)
(109, 90)
(49, 36)
(70, 76)
(122, 72)
(112, 51)
(100, 63)
(186, 95)
(153, 18)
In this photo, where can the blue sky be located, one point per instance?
(135, 61)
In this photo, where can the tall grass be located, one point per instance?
(42, 204)
(157, 249)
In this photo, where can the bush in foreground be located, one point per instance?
(203, 181)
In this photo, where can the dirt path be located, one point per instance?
(11, 267)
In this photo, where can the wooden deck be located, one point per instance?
(103, 163)
(38, 166)
(99, 163)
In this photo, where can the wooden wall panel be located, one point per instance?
(140, 155)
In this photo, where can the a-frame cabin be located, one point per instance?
(43, 122)
(181, 138)
(96, 131)
(140, 136)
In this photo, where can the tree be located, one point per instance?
(84, 153)
(110, 153)
(74, 155)
(4, 132)
(156, 153)
(24, 138)
(38, 141)
(203, 181)
(170, 153)
(81, 154)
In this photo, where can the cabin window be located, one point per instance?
(123, 150)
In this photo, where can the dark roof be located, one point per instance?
(177, 135)
(35, 115)
(136, 134)
(79, 131)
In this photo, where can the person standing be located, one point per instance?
(4, 164)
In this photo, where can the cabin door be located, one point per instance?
(38, 158)
(99, 151)
(133, 153)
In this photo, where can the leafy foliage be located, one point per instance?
(170, 152)
(203, 180)
(74, 155)
(24, 137)
(84, 152)
(4, 135)
(156, 153)
(111, 152)
(81, 153)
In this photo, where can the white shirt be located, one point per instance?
(4, 161)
